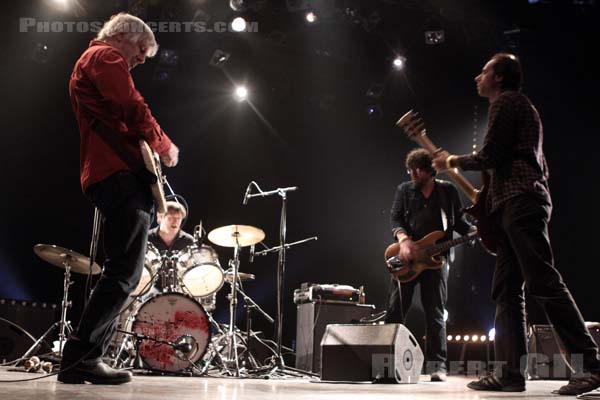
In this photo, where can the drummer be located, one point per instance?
(168, 235)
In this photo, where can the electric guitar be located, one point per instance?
(414, 128)
(424, 258)
(152, 163)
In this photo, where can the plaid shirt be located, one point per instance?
(512, 151)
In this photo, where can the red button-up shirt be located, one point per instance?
(101, 86)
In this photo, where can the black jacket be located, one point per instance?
(407, 200)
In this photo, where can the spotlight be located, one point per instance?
(446, 315)
(374, 111)
(238, 24)
(457, 337)
(310, 17)
(482, 338)
(492, 334)
(375, 90)
(449, 337)
(241, 93)
(399, 62)
(466, 338)
(219, 58)
(474, 338)
(41, 53)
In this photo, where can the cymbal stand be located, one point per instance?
(232, 356)
(277, 360)
(63, 324)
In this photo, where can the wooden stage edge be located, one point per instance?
(183, 388)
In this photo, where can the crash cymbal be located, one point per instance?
(242, 275)
(230, 235)
(57, 256)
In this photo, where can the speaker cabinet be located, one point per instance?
(16, 316)
(381, 353)
(312, 319)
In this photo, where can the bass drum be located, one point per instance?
(172, 317)
(203, 273)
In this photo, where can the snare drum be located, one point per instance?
(203, 274)
(172, 317)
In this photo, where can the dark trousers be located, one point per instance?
(127, 207)
(525, 258)
(434, 295)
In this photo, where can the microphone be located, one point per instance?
(247, 194)
(198, 233)
(251, 258)
(183, 347)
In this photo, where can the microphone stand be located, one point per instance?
(279, 365)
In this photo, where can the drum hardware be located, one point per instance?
(277, 361)
(70, 261)
(162, 320)
(236, 236)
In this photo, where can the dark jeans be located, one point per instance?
(434, 295)
(525, 258)
(127, 207)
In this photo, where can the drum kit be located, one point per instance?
(167, 326)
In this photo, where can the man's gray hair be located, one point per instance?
(134, 29)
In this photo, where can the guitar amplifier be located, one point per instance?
(312, 320)
(547, 354)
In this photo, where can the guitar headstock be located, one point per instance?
(412, 125)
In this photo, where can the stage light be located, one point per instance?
(492, 334)
(241, 93)
(457, 337)
(445, 315)
(374, 111)
(310, 17)
(219, 58)
(474, 338)
(168, 57)
(465, 338)
(399, 62)
(449, 337)
(435, 37)
(482, 338)
(41, 53)
(238, 24)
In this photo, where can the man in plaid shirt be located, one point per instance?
(519, 204)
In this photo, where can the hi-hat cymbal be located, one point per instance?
(232, 235)
(241, 275)
(56, 255)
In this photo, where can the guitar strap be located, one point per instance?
(114, 140)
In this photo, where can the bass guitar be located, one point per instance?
(414, 128)
(424, 258)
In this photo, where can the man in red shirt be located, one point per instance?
(105, 99)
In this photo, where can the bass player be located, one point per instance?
(421, 206)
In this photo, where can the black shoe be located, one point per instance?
(493, 383)
(99, 374)
(439, 376)
(580, 385)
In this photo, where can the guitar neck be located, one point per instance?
(442, 247)
(463, 184)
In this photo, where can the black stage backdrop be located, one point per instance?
(309, 123)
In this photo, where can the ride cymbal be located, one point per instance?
(58, 256)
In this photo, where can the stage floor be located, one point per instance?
(183, 388)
